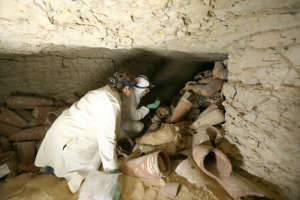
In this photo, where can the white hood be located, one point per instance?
(143, 82)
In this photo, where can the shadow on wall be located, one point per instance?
(60, 71)
(168, 73)
(232, 151)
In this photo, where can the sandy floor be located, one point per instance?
(35, 187)
(48, 187)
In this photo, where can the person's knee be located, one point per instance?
(133, 127)
(139, 127)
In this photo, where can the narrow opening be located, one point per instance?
(210, 164)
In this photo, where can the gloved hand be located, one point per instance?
(154, 105)
(114, 171)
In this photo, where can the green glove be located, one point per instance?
(154, 105)
(114, 171)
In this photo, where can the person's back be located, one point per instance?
(84, 136)
(70, 146)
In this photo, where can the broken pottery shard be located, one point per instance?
(182, 108)
(146, 149)
(187, 140)
(238, 187)
(8, 161)
(216, 165)
(170, 148)
(209, 109)
(154, 165)
(41, 112)
(220, 71)
(205, 81)
(31, 120)
(35, 133)
(212, 87)
(156, 121)
(163, 112)
(59, 103)
(165, 139)
(192, 174)
(7, 130)
(41, 115)
(170, 190)
(47, 118)
(12, 118)
(154, 126)
(193, 114)
(4, 170)
(166, 134)
(37, 122)
(5, 145)
(212, 162)
(25, 152)
(27, 102)
(211, 116)
(206, 134)
(71, 99)
(216, 99)
(54, 114)
(186, 152)
(205, 85)
(202, 75)
(196, 88)
(27, 115)
(188, 84)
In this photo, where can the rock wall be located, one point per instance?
(52, 75)
(260, 37)
(73, 72)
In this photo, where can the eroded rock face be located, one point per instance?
(189, 25)
(260, 37)
(53, 75)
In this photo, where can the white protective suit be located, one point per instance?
(88, 129)
(132, 114)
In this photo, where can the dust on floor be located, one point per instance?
(29, 186)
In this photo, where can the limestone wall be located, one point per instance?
(260, 37)
(63, 74)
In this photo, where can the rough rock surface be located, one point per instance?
(261, 39)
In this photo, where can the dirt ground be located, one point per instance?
(30, 186)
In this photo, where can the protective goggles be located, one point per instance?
(114, 79)
(128, 83)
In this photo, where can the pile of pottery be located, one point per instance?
(192, 126)
(24, 121)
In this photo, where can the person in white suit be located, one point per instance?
(132, 113)
(85, 135)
